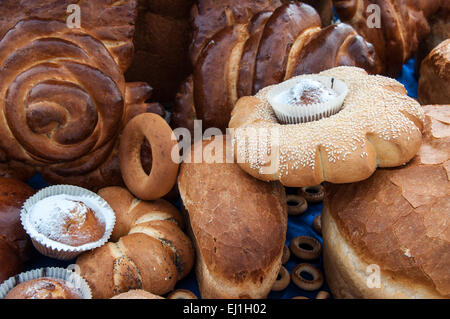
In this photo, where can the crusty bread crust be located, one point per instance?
(238, 227)
(378, 126)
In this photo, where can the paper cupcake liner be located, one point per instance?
(295, 114)
(77, 282)
(57, 250)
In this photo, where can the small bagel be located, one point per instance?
(286, 255)
(181, 294)
(312, 194)
(282, 281)
(163, 174)
(323, 295)
(307, 254)
(317, 224)
(309, 285)
(299, 205)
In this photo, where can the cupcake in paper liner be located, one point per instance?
(63, 221)
(46, 283)
(307, 98)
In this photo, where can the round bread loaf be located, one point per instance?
(434, 81)
(137, 294)
(238, 224)
(14, 243)
(395, 225)
(377, 126)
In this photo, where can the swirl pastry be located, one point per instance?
(63, 96)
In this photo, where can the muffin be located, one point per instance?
(44, 288)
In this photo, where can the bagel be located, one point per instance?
(377, 126)
(163, 174)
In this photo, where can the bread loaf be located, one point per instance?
(148, 249)
(394, 224)
(14, 243)
(230, 216)
(237, 50)
(403, 25)
(434, 81)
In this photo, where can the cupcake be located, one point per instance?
(307, 98)
(46, 283)
(64, 221)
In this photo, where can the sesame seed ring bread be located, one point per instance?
(377, 126)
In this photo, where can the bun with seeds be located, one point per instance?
(378, 125)
(148, 250)
(397, 220)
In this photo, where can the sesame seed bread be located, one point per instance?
(378, 126)
(397, 219)
(238, 226)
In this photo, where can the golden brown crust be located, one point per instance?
(434, 81)
(125, 263)
(397, 219)
(230, 214)
(343, 148)
(43, 288)
(137, 294)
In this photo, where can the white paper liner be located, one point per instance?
(54, 249)
(75, 281)
(294, 114)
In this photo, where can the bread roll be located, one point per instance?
(231, 215)
(396, 220)
(137, 294)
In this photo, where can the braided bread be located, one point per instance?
(403, 25)
(148, 249)
(63, 96)
(237, 52)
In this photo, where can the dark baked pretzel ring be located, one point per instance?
(309, 285)
(304, 253)
(282, 281)
(163, 174)
(181, 294)
(312, 194)
(317, 224)
(286, 255)
(300, 205)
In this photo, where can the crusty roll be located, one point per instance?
(231, 215)
(148, 249)
(137, 294)
(434, 81)
(14, 242)
(396, 220)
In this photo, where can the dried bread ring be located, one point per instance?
(286, 255)
(300, 297)
(317, 224)
(182, 294)
(297, 247)
(282, 281)
(296, 205)
(164, 170)
(323, 295)
(307, 284)
(377, 126)
(312, 194)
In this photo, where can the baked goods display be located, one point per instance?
(71, 80)
(272, 107)
(378, 125)
(148, 250)
(396, 220)
(235, 257)
(434, 81)
(396, 32)
(14, 243)
(237, 49)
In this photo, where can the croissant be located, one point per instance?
(237, 52)
(63, 96)
(148, 250)
(403, 25)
